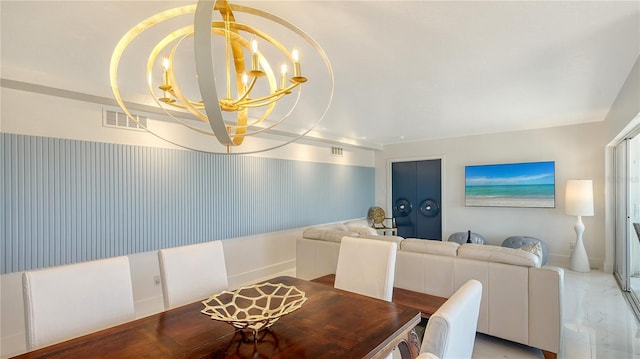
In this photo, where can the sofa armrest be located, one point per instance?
(546, 286)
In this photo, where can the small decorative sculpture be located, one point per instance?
(377, 217)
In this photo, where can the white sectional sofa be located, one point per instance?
(521, 301)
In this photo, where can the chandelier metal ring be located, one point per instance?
(176, 37)
(229, 134)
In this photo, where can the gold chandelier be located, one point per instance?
(240, 106)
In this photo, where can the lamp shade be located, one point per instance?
(579, 198)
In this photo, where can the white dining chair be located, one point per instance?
(64, 302)
(367, 267)
(451, 330)
(192, 272)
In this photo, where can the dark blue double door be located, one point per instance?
(417, 197)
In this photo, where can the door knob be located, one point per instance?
(429, 208)
(402, 207)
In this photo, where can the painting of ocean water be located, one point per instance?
(529, 184)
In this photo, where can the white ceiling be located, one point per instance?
(404, 70)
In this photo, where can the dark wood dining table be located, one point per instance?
(427, 304)
(331, 324)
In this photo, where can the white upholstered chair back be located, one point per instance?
(191, 273)
(367, 267)
(68, 301)
(451, 330)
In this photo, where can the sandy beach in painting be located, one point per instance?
(481, 201)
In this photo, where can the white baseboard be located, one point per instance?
(564, 261)
(258, 274)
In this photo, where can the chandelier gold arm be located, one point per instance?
(243, 96)
(265, 100)
(181, 101)
(194, 107)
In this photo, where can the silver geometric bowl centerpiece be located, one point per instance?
(254, 307)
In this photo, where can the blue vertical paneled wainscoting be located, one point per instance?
(67, 201)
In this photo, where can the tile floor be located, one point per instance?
(599, 323)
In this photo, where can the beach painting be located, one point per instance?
(530, 184)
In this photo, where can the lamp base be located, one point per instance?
(579, 258)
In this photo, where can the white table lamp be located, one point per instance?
(579, 202)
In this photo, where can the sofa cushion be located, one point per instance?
(397, 240)
(534, 248)
(361, 226)
(357, 223)
(331, 235)
(499, 255)
(334, 226)
(364, 231)
(521, 241)
(430, 247)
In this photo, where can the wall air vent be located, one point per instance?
(120, 120)
(337, 151)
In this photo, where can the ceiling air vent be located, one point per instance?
(120, 120)
(337, 151)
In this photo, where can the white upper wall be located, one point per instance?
(578, 152)
(626, 106)
(30, 113)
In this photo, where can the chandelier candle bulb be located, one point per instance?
(255, 65)
(297, 77)
(245, 82)
(165, 87)
(296, 63)
(165, 65)
(283, 76)
(254, 44)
